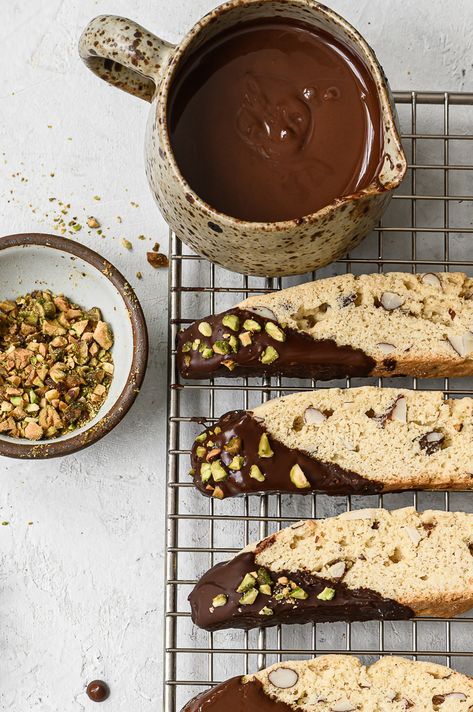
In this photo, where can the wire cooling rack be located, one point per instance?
(428, 227)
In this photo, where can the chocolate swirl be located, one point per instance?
(236, 696)
(298, 356)
(347, 604)
(242, 430)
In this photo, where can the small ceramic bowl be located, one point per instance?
(37, 261)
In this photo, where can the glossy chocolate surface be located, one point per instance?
(348, 604)
(322, 476)
(299, 355)
(234, 696)
(273, 120)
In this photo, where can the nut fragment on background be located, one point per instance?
(56, 365)
(157, 259)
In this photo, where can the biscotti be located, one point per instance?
(361, 565)
(340, 683)
(368, 325)
(355, 441)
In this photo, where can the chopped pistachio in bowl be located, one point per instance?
(73, 346)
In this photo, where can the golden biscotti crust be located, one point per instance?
(415, 325)
(341, 682)
(421, 560)
(401, 438)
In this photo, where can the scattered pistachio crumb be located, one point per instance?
(127, 244)
(139, 275)
(97, 197)
(93, 222)
(155, 247)
(5, 524)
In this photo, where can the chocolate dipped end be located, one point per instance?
(225, 456)
(293, 602)
(236, 696)
(262, 347)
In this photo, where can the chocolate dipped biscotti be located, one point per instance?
(356, 441)
(340, 683)
(362, 565)
(368, 325)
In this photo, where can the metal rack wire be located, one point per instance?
(426, 228)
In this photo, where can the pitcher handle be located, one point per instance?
(124, 54)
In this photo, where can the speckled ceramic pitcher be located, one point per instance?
(131, 58)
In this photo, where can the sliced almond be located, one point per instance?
(343, 706)
(283, 677)
(385, 348)
(432, 279)
(463, 345)
(312, 416)
(262, 311)
(359, 514)
(413, 535)
(336, 570)
(434, 437)
(455, 696)
(391, 300)
(399, 412)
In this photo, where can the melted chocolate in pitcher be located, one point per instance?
(272, 120)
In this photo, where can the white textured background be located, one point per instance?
(81, 583)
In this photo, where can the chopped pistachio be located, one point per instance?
(264, 448)
(219, 473)
(237, 463)
(219, 600)
(218, 493)
(263, 576)
(217, 430)
(231, 321)
(233, 341)
(187, 346)
(200, 438)
(205, 471)
(245, 338)
(249, 597)
(248, 581)
(327, 594)
(127, 244)
(269, 355)
(195, 344)
(274, 331)
(299, 593)
(205, 328)
(265, 611)
(233, 446)
(207, 352)
(256, 473)
(251, 325)
(229, 363)
(298, 478)
(200, 451)
(266, 589)
(222, 347)
(46, 340)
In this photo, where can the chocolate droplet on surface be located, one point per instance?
(98, 691)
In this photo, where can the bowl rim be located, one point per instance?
(51, 448)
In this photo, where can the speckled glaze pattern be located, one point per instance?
(262, 249)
